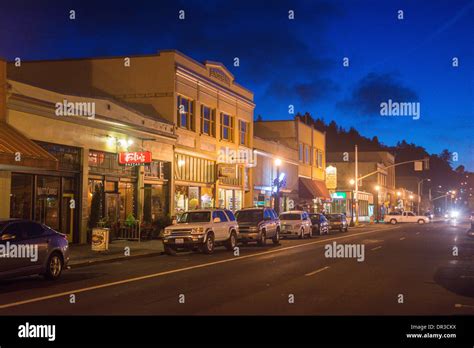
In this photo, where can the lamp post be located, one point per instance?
(352, 181)
(277, 180)
(411, 204)
(377, 189)
(420, 192)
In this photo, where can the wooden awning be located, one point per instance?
(309, 188)
(14, 145)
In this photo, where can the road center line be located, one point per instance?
(376, 248)
(458, 305)
(417, 232)
(402, 238)
(160, 274)
(317, 271)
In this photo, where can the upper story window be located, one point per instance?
(300, 152)
(243, 133)
(227, 127)
(320, 158)
(208, 121)
(185, 113)
(306, 154)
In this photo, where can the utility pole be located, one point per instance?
(356, 193)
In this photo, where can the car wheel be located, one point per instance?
(321, 231)
(276, 237)
(346, 229)
(310, 233)
(301, 236)
(231, 242)
(393, 221)
(208, 245)
(169, 250)
(54, 267)
(421, 222)
(263, 239)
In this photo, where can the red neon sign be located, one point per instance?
(134, 158)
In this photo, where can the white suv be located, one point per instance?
(295, 223)
(203, 230)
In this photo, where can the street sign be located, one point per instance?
(331, 177)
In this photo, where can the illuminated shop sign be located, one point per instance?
(338, 195)
(134, 158)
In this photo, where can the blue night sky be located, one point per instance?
(284, 61)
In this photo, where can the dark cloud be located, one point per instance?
(304, 92)
(374, 89)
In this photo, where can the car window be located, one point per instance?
(250, 215)
(274, 214)
(33, 229)
(290, 216)
(13, 231)
(230, 215)
(220, 214)
(410, 214)
(194, 216)
(267, 214)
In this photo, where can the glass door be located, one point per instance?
(67, 216)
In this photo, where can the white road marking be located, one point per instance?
(402, 238)
(417, 232)
(317, 271)
(467, 276)
(160, 274)
(458, 305)
(376, 248)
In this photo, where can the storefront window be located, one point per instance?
(47, 200)
(230, 199)
(207, 197)
(21, 201)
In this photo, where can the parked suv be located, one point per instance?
(258, 225)
(337, 222)
(295, 223)
(202, 230)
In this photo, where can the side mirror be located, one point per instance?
(216, 220)
(8, 236)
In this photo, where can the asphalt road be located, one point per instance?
(294, 278)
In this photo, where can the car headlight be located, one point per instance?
(166, 233)
(197, 230)
(454, 214)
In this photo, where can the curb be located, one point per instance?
(109, 260)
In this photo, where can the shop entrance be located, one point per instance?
(67, 215)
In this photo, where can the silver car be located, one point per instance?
(28, 247)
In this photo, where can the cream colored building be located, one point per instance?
(310, 145)
(213, 115)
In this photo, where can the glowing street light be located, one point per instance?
(278, 162)
(352, 181)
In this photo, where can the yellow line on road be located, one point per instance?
(376, 248)
(155, 275)
(402, 238)
(317, 271)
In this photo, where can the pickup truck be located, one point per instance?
(406, 216)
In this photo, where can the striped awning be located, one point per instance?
(16, 150)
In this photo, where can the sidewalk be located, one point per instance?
(82, 255)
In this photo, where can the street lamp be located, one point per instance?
(377, 189)
(277, 194)
(352, 182)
